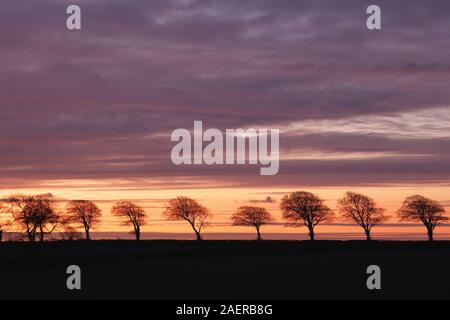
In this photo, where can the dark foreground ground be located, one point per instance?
(225, 270)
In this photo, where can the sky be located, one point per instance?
(89, 114)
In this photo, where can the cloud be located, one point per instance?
(267, 199)
(47, 195)
(99, 105)
(421, 124)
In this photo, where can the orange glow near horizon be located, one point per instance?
(223, 202)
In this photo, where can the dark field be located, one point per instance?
(225, 270)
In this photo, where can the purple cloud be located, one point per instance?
(101, 103)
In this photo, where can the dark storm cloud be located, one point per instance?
(101, 103)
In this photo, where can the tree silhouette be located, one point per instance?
(85, 213)
(68, 232)
(46, 217)
(252, 216)
(187, 209)
(2, 225)
(363, 210)
(134, 215)
(3, 222)
(302, 208)
(419, 208)
(36, 214)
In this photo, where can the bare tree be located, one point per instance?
(421, 209)
(252, 216)
(46, 217)
(134, 214)
(1, 231)
(363, 210)
(20, 208)
(187, 209)
(67, 231)
(302, 208)
(85, 213)
(3, 222)
(36, 214)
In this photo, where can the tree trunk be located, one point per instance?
(137, 232)
(1, 235)
(197, 233)
(430, 234)
(311, 233)
(258, 237)
(368, 235)
(41, 235)
(88, 237)
(30, 235)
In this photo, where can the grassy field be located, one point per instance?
(225, 270)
